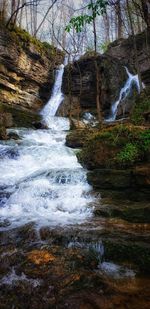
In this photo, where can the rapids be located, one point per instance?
(41, 179)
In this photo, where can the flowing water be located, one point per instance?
(133, 80)
(43, 182)
(55, 253)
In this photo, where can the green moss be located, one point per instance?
(121, 145)
(142, 105)
(24, 39)
(128, 154)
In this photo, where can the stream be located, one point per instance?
(56, 251)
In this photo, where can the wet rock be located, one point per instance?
(123, 50)
(3, 133)
(13, 135)
(6, 121)
(40, 125)
(77, 124)
(77, 138)
(116, 179)
(79, 82)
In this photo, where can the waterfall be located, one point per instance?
(44, 182)
(133, 80)
(57, 96)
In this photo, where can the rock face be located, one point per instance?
(26, 71)
(6, 121)
(79, 84)
(124, 51)
(117, 156)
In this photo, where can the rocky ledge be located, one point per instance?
(26, 74)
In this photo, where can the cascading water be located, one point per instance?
(133, 80)
(57, 96)
(42, 181)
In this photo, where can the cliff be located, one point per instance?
(79, 82)
(26, 74)
(123, 50)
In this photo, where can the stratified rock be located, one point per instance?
(26, 72)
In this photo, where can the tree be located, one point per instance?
(96, 8)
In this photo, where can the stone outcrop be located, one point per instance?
(117, 156)
(79, 84)
(26, 72)
(123, 49)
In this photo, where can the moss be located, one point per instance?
(24, 39)
(141, 107)
(121, 145)
(129, 154)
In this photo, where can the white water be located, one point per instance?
(43, 183)
(57, 97)
(133, 80)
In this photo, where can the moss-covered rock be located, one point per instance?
(141, 111)
(119, 146)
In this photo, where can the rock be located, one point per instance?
(140, 113)
(79, 81)
(119, 146)
(13, 135)
(77, 124)
(40, 125)
(115, 179)
(77, 138)
(110, 179)
(79, 84)
(6, 120)
(123, 50)
(3, 133)
(26, 71)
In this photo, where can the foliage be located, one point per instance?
(128, 154)
(142, 105)
(121, 145)
(23, 39)
(136, 148)
(104, 46)
(97, 8)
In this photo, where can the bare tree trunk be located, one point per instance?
(98, 103)
(134, 45)
(107, 27)
(3, 10)
(146, 11)
(119, 19)
(44, 18)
